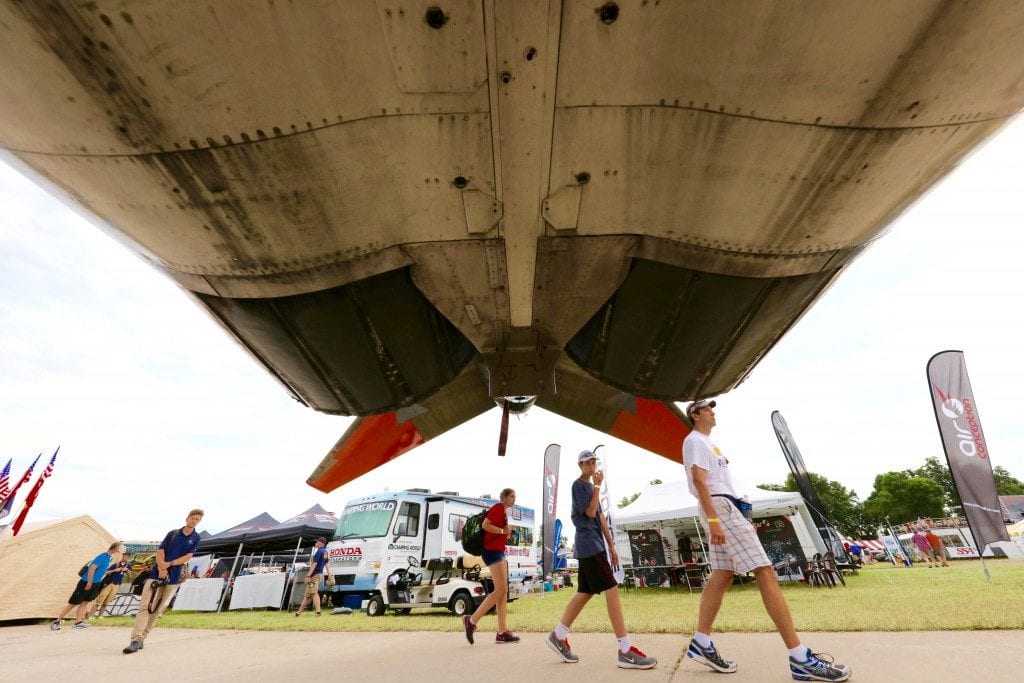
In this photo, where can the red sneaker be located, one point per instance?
(468, 624)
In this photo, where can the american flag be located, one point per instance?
(5, 479)
(31, 497)
(5, 490)
(7, 499)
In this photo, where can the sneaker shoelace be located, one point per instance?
(820, 660)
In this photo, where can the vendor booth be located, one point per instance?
(665, 534)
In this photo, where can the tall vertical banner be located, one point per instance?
(966, 451)
(552, 456)
(799, 470)
(605, 499)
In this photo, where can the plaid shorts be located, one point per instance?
(742, 551)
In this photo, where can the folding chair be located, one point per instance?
(812, 570)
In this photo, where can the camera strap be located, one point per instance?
(156, 595)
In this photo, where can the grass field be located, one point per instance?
(879, 598)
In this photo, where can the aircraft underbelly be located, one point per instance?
(370, 195)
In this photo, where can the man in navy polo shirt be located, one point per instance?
(89, 583)
(317, 569)
(172, 557)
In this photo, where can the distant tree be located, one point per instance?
(626, 500)
(901, 497)
(937, 471)
(1007, 484)
(841, 504)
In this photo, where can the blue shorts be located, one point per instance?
(492, 557)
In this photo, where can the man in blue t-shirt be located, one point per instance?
(595, 573)
(172, 559)
(317, 568)
(111, 582)
(90, 580)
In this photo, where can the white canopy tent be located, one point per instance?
(670, 507)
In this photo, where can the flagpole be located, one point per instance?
(33, 493)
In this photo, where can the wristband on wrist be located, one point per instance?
(713, 520)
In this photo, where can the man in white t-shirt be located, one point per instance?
(735, 549)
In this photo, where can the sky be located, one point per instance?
(156, 410)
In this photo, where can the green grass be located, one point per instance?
(880, 598)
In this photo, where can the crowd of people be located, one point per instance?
(157, 583)
(734, 548)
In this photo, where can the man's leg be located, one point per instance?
(614, 605)
(144, 620)
(573, 609)
(80, 612)
(64, 612)
(711, 599)
(302, 603)
(168, 594)
(316, 602)
(775, 604)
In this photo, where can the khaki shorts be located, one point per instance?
(312, 585)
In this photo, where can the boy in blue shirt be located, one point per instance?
(90, 580)
(593, 545)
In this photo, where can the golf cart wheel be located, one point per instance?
(461, 604)
(404, 610)
(375, 607)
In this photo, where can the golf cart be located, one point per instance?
(459, 588)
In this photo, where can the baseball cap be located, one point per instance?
(698, 404)
(321, 539)
(585, 456)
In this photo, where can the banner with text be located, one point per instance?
(964, 442)
(552, 456)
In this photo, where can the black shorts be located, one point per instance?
(81, 595)
(596, 574)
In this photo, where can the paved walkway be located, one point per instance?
(34, 653)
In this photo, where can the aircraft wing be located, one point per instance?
(374, 440)
(657, 426)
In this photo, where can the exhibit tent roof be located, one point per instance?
(664, 504)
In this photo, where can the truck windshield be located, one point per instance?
(365, 519)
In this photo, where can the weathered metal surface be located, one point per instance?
(519, 159)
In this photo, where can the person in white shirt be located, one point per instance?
(735, 549)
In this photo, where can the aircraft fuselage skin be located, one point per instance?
(383, 201)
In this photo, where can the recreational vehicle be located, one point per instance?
(403, 549)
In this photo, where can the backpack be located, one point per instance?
(473, 534)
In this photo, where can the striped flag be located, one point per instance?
(5, 489)
(31, 497)
(6, 503)
(5, 480)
